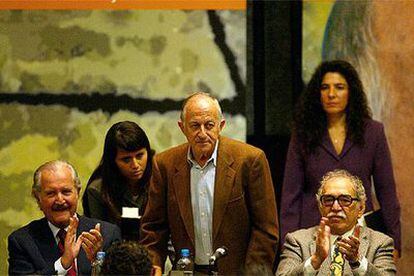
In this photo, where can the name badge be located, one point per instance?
(130, 212)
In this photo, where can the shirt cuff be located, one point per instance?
(308, 269)
(362, 268)
(60, 270)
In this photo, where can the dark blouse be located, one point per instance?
(99, 209)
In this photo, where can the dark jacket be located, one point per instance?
(33, 248)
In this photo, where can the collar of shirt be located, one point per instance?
(334, 237)
(213, 157)
(347, 234)
(55, 229)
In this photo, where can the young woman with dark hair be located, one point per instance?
(122, 177)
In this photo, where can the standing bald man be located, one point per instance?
(209, 192)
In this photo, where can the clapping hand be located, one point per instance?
(92, 242)
(72, 246)
(350, 246)
(322, 244)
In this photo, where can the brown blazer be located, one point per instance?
(300, 245)
(244, 211)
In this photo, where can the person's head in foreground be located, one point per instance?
(127, 258)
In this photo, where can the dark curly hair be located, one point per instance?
(127, 136)
(126, 258)
(310, 120)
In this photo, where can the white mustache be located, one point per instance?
(340, 214)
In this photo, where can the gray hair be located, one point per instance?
(355, 181)
(54, 166)
(204, 94)
(349, 36)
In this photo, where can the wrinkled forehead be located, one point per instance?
(53, 177)
(201, 106)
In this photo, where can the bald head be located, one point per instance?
(201, 98)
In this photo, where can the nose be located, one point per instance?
(336, 206)
(331, 92)
(59, 197)
(202, 132)
(134, 163)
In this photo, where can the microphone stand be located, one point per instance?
(212, 268)
(212, 262)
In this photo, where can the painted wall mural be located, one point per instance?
(67, 76)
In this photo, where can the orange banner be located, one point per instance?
(123, 4)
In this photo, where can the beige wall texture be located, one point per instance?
(153, 55)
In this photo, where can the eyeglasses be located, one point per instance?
(343, 200)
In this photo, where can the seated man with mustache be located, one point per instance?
(52, 245)
(339, 245)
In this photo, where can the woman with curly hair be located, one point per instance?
(333, 129)
(122, 177)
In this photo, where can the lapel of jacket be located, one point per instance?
(329, 147)
(45, 241)
(181, 183)
(223, 185)
(363, 241)
(363, 248)
(84, 266)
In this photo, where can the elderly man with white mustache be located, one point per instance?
(339, 245)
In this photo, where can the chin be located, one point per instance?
(62, 217)
(135, 177)
(334, 111)
(60, 222)
(339, 230)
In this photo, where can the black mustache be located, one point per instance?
(59, 207)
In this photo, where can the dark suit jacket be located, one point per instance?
(300, 246)
(244, 211)
(33, 249)
(303, 173)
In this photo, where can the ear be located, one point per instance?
(35, 194)
(222, 123)
(361, 210)
(320, 208)
(181, 125)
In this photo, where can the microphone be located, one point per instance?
(219, 253)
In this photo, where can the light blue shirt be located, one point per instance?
(202, 199)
